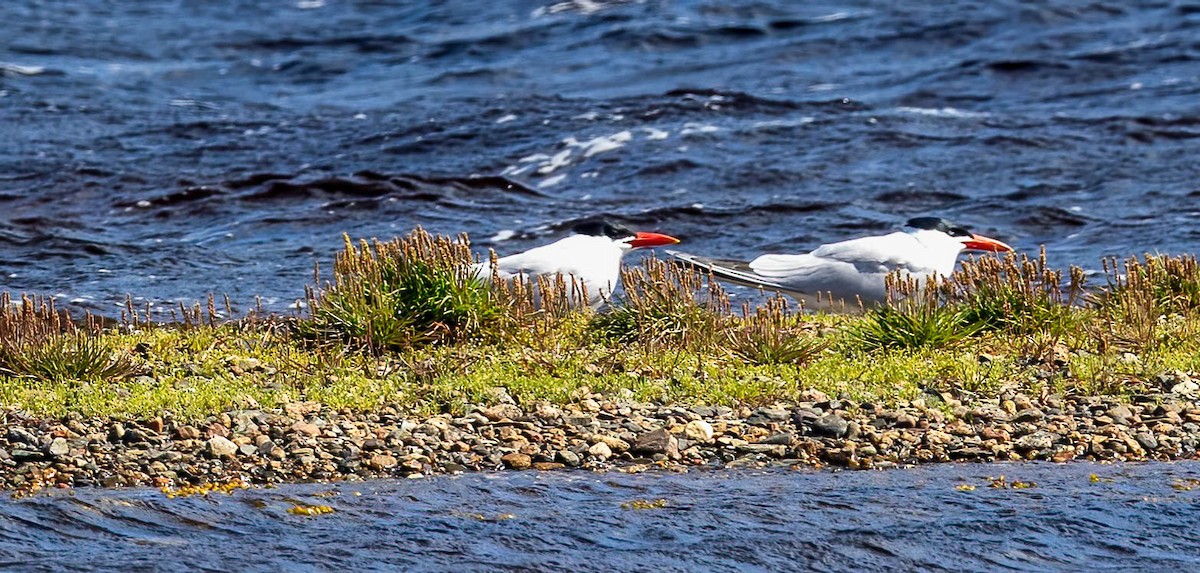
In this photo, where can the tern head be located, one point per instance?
(940, 232)
(625, 238)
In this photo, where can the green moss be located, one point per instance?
(201, 371)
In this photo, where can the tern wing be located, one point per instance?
(846, 270)
(882, 254)
(531, 263)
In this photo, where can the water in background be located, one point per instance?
(171, 149)
(1129, 517)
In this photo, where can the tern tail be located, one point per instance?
(732, 270)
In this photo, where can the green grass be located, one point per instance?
(386, 296)
(404, 324)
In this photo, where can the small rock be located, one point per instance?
(1038, 441)
(699, 430)
(1147, 441)
(764, 416)
(831, 425)
(217, 429)
(372, 444)
(1187, 388)
(614, 443)
(517, 461)
(548, 466)
(782, 439)
(136, 436)
(568, 457)
(773, 450)
(1120, 414)
(116, 432)
(18, 435)
(58, 448)
(188, 433)
(247, 449)
(413, 466)
(1028, 415)
(155, 424)
(600, 450)
(306, 428)
(23, 455)
(219, 447)
(659, 441)
(380, 462)
(503, 412)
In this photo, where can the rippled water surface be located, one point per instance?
(170, 149)
(1133, 517)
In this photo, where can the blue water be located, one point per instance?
(1131, 519)
(170, 149)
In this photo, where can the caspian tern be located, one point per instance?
(591, 255)
(853, 270)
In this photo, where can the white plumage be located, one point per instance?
(848, 271)
(592, 257)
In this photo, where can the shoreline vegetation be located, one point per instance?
(403, 365)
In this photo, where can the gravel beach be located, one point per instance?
(305, 441)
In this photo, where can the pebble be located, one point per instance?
(517, 461)
(831, 425)
(380, 462)
(58, 448)
(600, 450)
(220, 447)
(306, 428)
(187, 433)
(699, 430)
(570, 458)
(659, 441)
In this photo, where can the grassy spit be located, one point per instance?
(403, 324)
(403, 364)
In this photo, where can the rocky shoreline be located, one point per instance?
(305, 441)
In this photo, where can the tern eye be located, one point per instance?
(958, 232)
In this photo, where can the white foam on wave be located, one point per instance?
(552, 180)
(20, 70)
(584, 7)
(559, 160)
(834, 17)
(655, 134)
(601, 144)
(942, 112)
(692, 127)
(784, 122)
(503, 235)
(544, 164)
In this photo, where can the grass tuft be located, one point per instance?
(914, 317)
(401, 293)
(67, 358)
(663, 302)
(1148, 305)
(772, 334)
(1015, 294)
